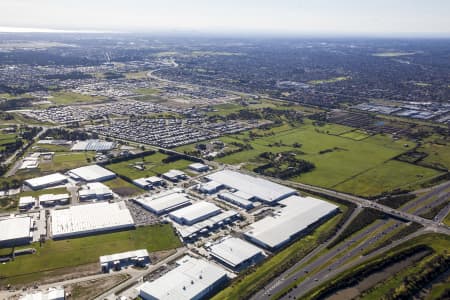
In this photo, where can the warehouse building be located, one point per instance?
(210, 187)
(90, 219)
(192, 232)
(148, 182)
(27, 202)
(95, 191)
(165, 202)
(117, 261)
(91, 173)
(15, 231)
(93, 145)
(198, 167)
(236, 254)
(236, 200)
(47, 200)
(46, 181)
(192, 279)
(195, 213)
(259, 189)
(174, 175)
(296, 217)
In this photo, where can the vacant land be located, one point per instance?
(89, 289)
(85, 250)
(329, 80)
(123, 188)
(372, 181)
(61, 190)
(148, 91)
(63, 161)
(338, 160)
(438, 154)
(152, 165)
(71, 98)
(356, 135)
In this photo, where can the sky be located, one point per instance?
(340, 17)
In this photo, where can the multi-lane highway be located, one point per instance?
(310, 273)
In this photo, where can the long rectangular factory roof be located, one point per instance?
(15, 228)
(90, 218)
(164, 203)
(234, 251)
(47, 180)
(196, 211)
(297, 214)
(262, 189)
(189, 280)
(92, 173)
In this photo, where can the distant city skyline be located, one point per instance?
(343, 17)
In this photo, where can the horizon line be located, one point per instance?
(231, 32)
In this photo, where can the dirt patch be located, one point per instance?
(124, 191)
(375, 278)
(56, 275)
(156, 257)
(89, 289)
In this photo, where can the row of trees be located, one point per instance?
(283, 165)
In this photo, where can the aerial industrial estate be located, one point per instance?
(136, 167)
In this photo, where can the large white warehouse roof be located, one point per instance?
(15, 228)
(164, 202)
(191, 279)
(90, 218)
(234, 251)
(92, 173)
(297, 214)
(262, 189)
(46, 181)
(195, 212)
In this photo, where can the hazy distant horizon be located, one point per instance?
(410, 18)
(256, 34)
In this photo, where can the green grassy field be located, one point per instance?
(148, 91)
(136, 75)
(229, 108)
(123, 188)
(400, 175)
(71, 98)
(79, 251)
(356, 135)
(153, 166)
(242, 286)
(66, 160)
(329, 80)
(7, 138)
(61, 190)
(438, 154)
(348, 162)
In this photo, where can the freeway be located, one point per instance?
(316, 271)
(312, 282)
